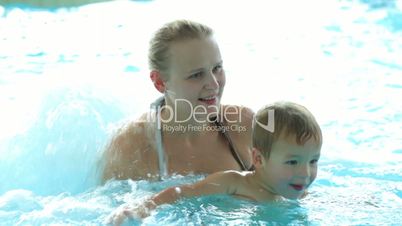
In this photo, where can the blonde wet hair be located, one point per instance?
(289, 119)
(178, 30)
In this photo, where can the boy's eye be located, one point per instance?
(291, 162)
(314, 161)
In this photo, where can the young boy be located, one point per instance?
(286, 147)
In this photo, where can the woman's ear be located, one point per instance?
(258, 158)
(158, 81)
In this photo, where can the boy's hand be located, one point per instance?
(119, 216)
(123, 212)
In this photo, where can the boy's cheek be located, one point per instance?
(313, 176)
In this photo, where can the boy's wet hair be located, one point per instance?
(290, 119)
(178, 30)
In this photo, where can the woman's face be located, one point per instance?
(196, 79)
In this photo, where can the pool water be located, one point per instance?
(69, 77)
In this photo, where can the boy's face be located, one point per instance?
(291, 168)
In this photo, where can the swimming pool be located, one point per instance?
(68, 76)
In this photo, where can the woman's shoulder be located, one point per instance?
(131, 143)
(133, 133)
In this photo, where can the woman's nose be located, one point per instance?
(212, 81)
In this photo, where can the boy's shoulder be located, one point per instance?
(229, 176)
(235, 180)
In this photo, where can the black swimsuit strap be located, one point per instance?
(231, 146)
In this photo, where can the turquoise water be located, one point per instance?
(68, 77)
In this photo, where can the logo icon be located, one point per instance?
(270, 122)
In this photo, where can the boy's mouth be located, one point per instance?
(297, 187)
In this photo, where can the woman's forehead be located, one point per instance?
(190, 54)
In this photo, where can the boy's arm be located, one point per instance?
(217, 183)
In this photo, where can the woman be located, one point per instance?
(187, 130)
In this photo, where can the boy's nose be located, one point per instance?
(304, 171)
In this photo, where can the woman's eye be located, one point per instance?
(217, 68)
(196, 75)
(291, 162)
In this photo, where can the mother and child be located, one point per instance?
(263, 157)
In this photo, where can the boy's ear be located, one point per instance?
(158, 81)
(258, 158)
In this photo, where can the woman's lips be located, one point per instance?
(209, 100)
